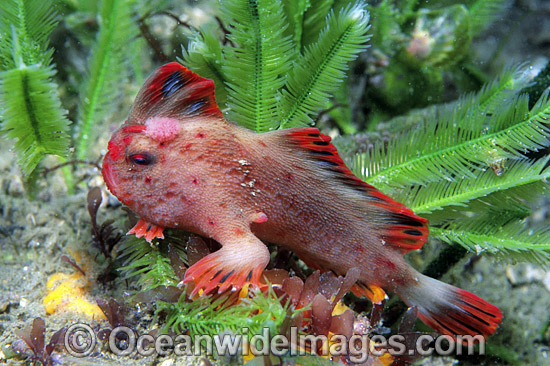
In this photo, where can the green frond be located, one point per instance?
(204, 56)
(152, 6)
(147, 261)
(255, 68)
(456, 143)
(341, 112)
(210, 316)
(484, 12)
(314, 20)
(295, 15)
(108, 69)
(540, 83)
(513, 241)
(512, 204)
(32, 22)
(504, 89)
(318, 72)
(33, 114)
(386, 28)
(501, 176)
(471, 167)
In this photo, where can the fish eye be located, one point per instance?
(142, 158)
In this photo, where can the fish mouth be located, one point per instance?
(112, 181)
(108, 175)
(115, 152)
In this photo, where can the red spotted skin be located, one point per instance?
(289, 187)
(212, 185)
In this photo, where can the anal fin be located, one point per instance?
(374, 293)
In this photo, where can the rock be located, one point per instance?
(167, 362)
(546, 281)
(525, 273)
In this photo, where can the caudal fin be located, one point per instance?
(450, 310)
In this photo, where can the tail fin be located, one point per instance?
(450, 310)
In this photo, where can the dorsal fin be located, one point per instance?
(176, 92)
(404, 229)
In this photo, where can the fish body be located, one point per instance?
(178, 163)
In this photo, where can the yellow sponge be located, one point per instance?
(69, 293)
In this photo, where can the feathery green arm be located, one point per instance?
(484, 12)
(146, 261)
(204, 56)
(318, 72)
(494, 108)
(255, 68)
(435, 196)
(212, 316)
(108, 69)
(514, 240)
(32, 21)
(462, 155)
(33, 115)
(29, 101)
(468, 166)
(505, 88)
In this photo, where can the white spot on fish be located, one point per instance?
(243, 162)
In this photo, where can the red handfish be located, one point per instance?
(178, 163)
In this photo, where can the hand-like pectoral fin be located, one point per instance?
(235, 265)
(147, 230)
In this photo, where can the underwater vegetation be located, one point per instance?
(32, 343)
(421, 48)
(474, 165)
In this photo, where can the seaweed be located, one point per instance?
(471, 167)
(288, 73)
(220, 313)
(320, 294)
(31, 109)
(114, 312)
(64, 258)
(416, 48)
(108, 68)
(33, 343)
(104, 236)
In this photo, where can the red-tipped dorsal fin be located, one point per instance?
(401, 227)
(176, 92)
